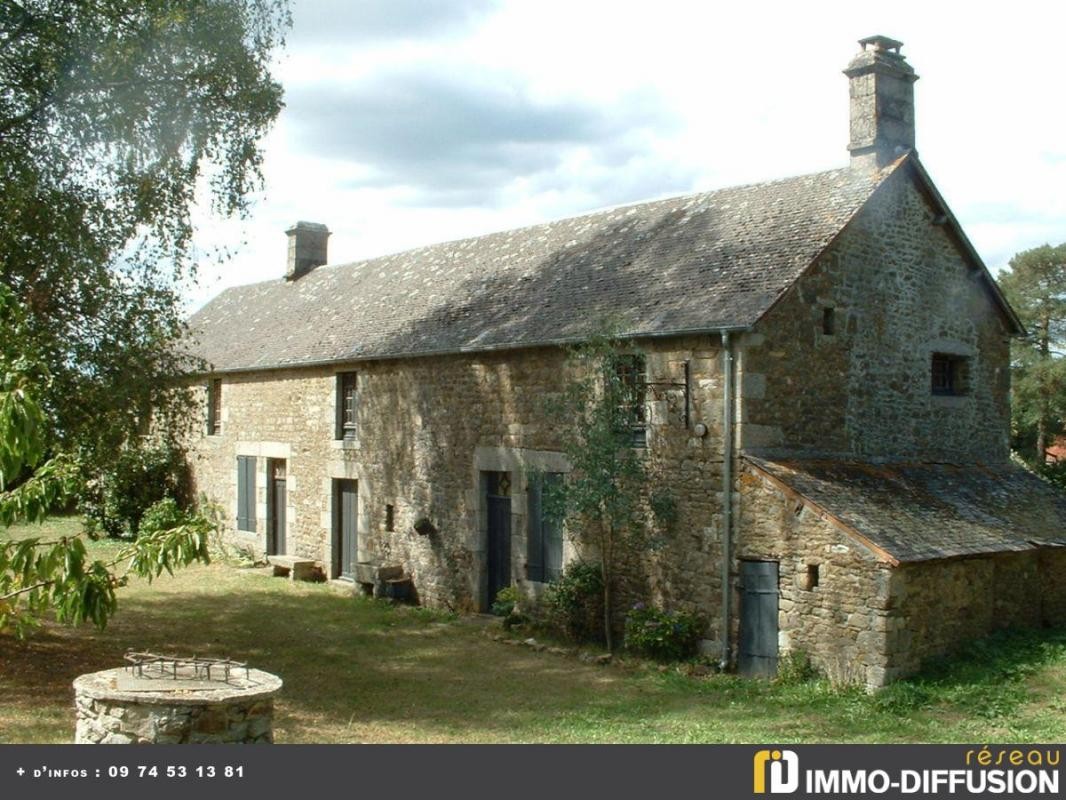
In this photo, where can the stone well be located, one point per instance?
(133, 706)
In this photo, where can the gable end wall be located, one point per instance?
(900, 290)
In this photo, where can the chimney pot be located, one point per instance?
(881, 86)
(307, 248)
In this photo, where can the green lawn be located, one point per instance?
(360, 671)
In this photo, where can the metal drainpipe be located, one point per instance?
(727, 492)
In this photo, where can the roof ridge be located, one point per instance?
(693, 262)
(585, 215)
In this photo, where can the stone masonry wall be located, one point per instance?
(129, 722)
(1053, 586)
(870, 622)
(428, 427)
(840, 623)
(116, 707)
(939, 605)
(900, 290)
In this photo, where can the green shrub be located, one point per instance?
(794, 668)
(140, 476)
(505, 602)
(662, 635)
(573, 604)
(163, 515)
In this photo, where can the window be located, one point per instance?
(214, 407)
(949, 374)
(630, 370)
(246, 493)
(390, 518)
(544, 551)
(829, 322)
(347, 406)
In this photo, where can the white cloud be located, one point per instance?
(638, 99)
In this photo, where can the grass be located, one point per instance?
(357, 670)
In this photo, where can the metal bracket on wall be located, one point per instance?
(686, 387)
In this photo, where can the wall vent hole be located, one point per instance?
(811, 579)
(829, 322)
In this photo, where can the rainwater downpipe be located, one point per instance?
(727, 492)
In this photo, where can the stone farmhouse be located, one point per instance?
(825, 366)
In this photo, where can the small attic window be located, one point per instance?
(949, 374)
(829, 321)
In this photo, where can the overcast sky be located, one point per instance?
(409, 122)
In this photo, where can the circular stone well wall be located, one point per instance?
(113, 708)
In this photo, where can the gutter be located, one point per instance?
(354, 360)
(727, 493)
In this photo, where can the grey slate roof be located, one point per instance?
(919, 512)
(688, 264)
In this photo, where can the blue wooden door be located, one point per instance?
(759, 599)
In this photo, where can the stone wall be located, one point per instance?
(899, 289)
(117, 722)
(108, 714)
(1053, 587)
(872, 622)
(939, 605)
(428, 427)
(840, 623)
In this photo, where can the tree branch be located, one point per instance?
(26, 589)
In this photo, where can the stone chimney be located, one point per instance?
(307, 248)
(882, 103)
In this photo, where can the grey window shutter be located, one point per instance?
(250, 480)
(242, 495)
(552, 537)
(245, 493)
(534, 539)
(209, 422)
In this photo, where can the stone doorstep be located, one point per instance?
(297, 569)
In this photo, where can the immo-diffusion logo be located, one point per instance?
(783, 766)
(1006, 771)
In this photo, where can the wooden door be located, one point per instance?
(759, 600)
(345, 527)
(277, 500)
(498, 546)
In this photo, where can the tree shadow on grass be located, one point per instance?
(985, 677)
(357, 669)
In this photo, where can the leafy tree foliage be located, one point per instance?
(600, 498)
(114, 117)
(1035, 285)
(134, 481)
(37, 575)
